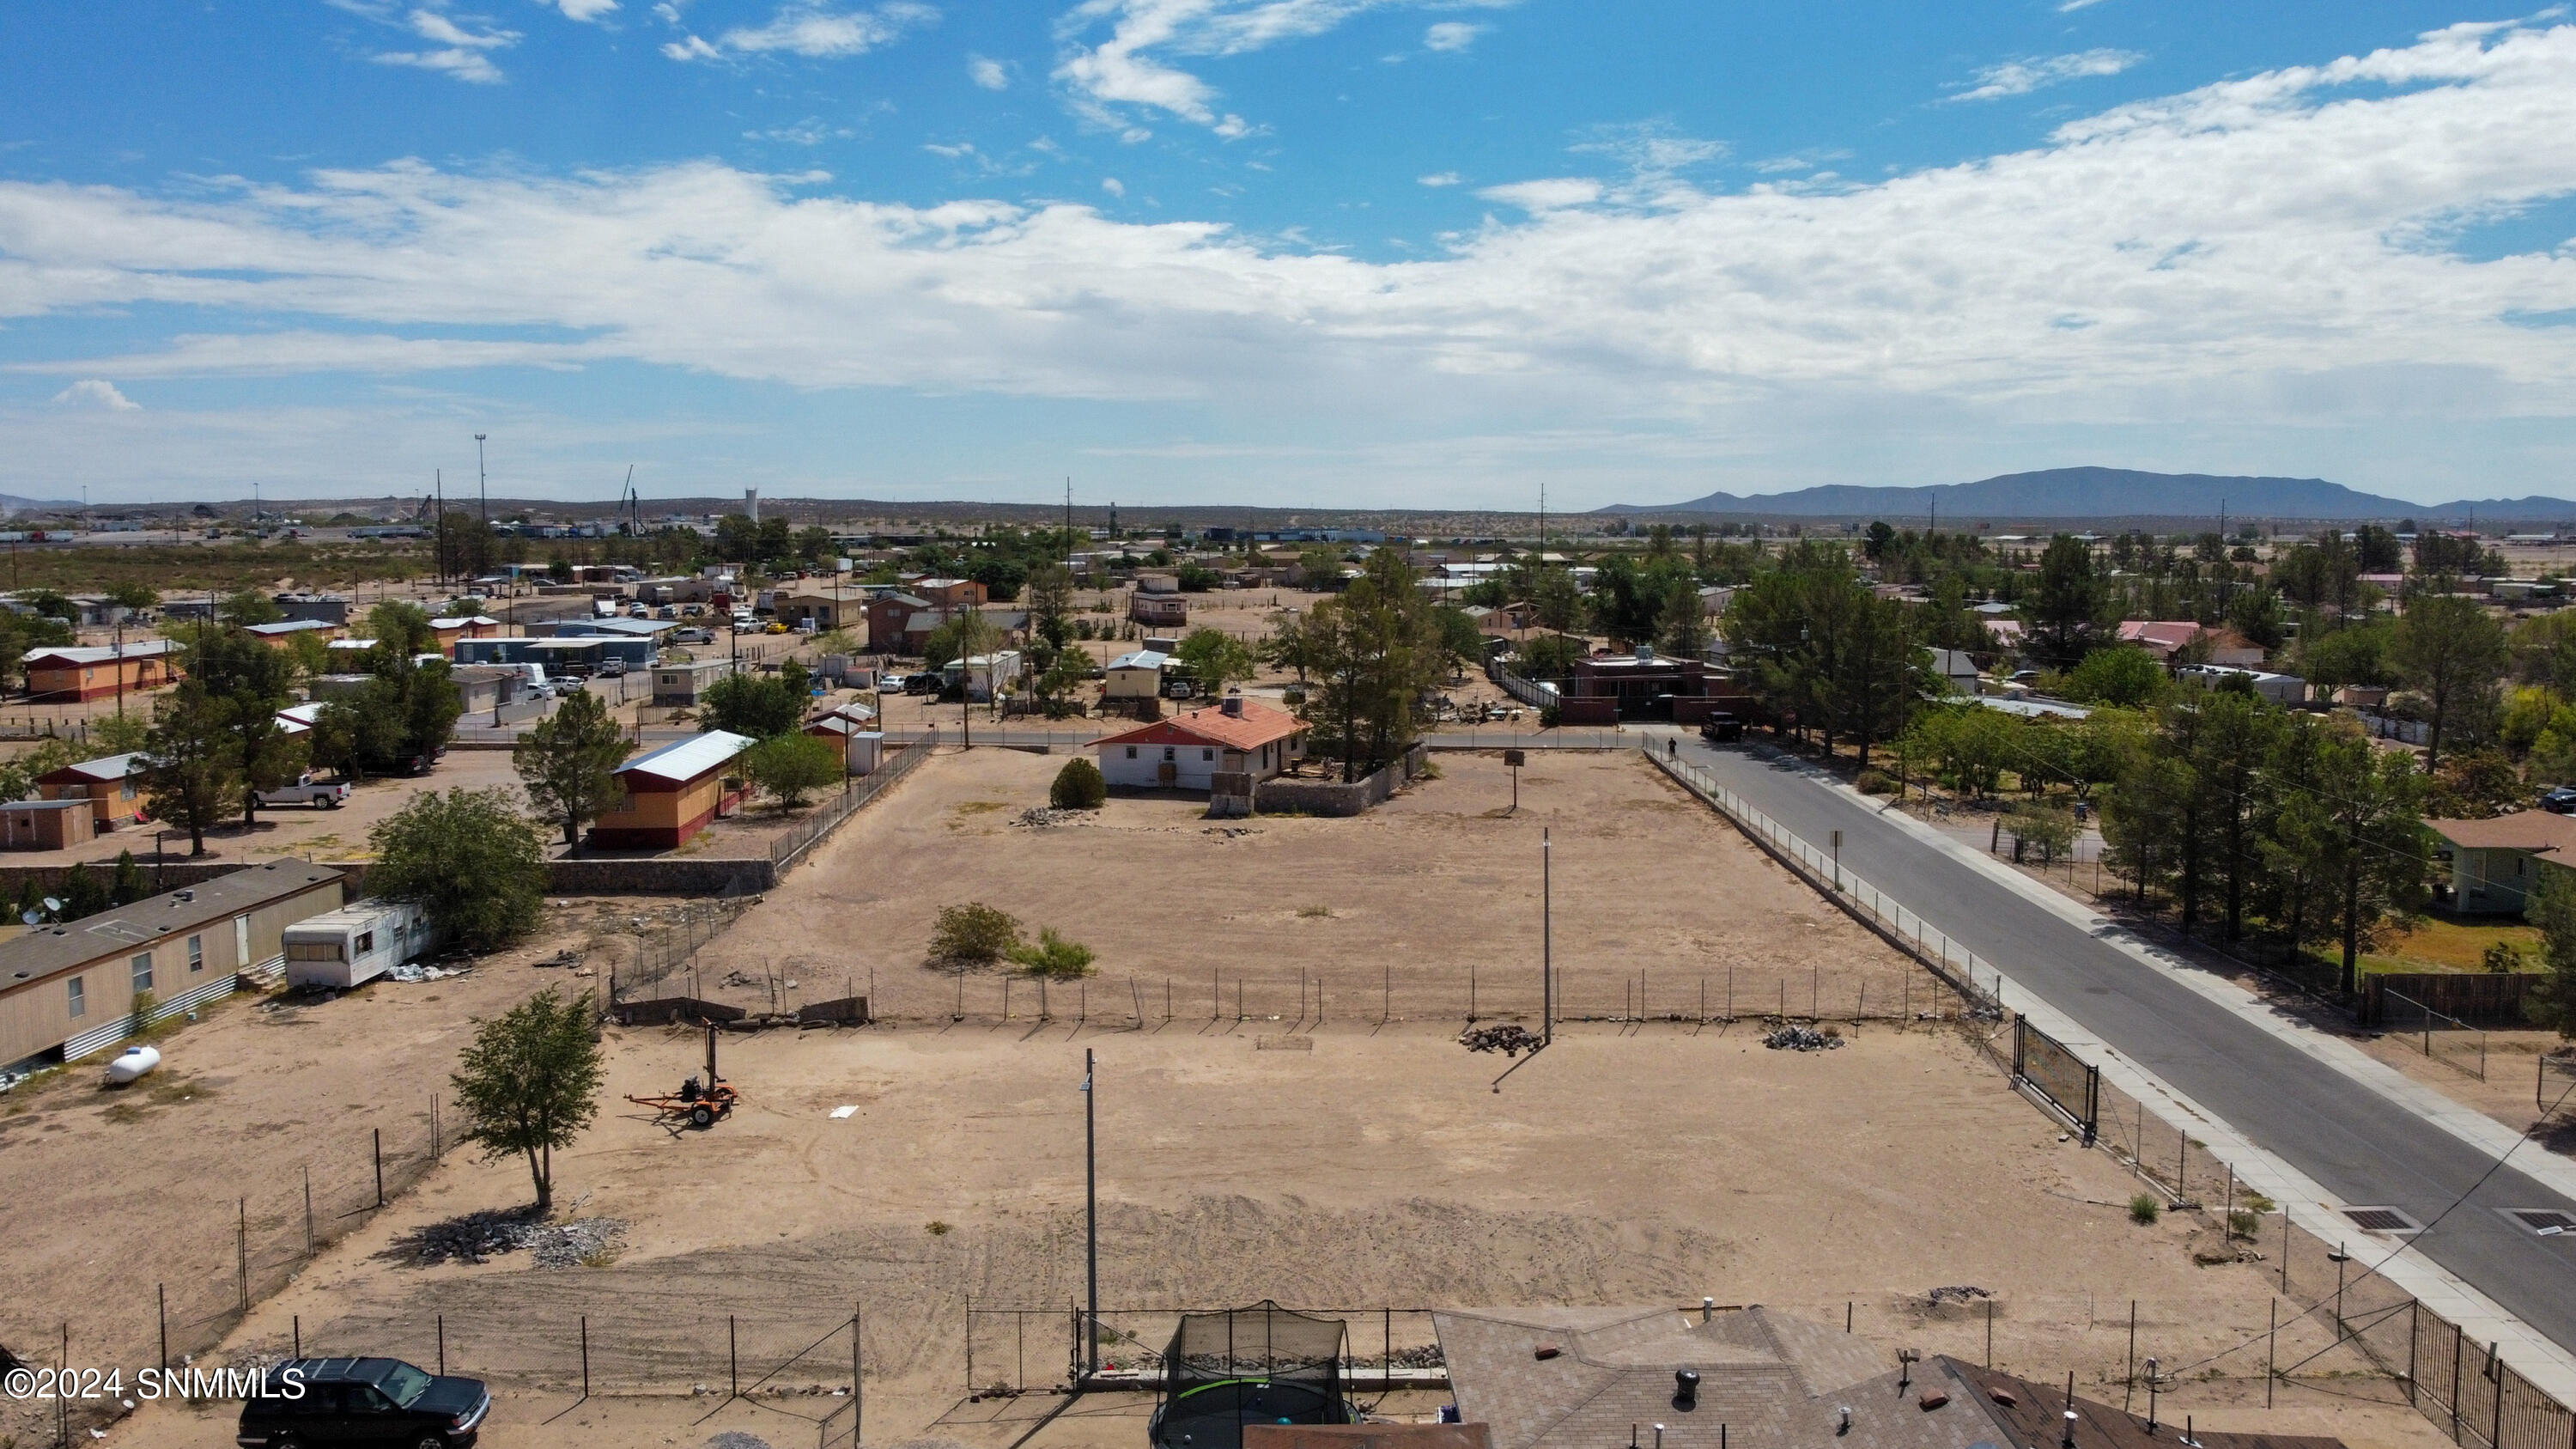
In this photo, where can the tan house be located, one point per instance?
(2496, 864)
(68, 990)
(46, 824)
(74, 674)
(671, 793)
(113, 785)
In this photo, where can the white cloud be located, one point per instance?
(813, 29)
(1650, 149)
(988, 73)
(2021, 77)
(1549, 195)
(808, 132)
(2069, 7)
(584, 10)
(2261, 249)
(1451, 35)
(461, 53)
(1439, 178)
(98, 394)
(1113, 186)
(1122, 70)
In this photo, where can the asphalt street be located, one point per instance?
(2353, 1142)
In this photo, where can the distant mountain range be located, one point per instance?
(2113, 493)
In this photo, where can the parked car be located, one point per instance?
(315, 1401)
(1720, 725)
(926, 682)
(612, 669)
(638, 611)
(693, 636)
(307, 790)
(2559, 800)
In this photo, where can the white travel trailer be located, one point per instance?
(354, 944)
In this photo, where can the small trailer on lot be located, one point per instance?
(356, 943)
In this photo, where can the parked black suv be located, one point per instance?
(324, 1401)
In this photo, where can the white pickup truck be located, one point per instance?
(320, 794)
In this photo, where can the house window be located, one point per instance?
(1131, 752)
(142, 966)
(126, 793)
(312, 950)
(1207, 754)
(80, 996)
(366, 942)
(196, 954)
(1170, 754)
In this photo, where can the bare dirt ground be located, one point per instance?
(1351, 1163)
(2513, 1090)
(202, 1166)
(1389, 914)
(1369, 1168)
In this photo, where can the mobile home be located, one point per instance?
(355, 944)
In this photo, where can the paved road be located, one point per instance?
(2346, 1137)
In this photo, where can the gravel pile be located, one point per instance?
(1958, 1293)
(1044, 816)
(1511, 1041)
(1426, 1356)
(1802, 1039)
(481, 1236)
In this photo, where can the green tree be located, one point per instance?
(1051, 603)
(568, 762)
(792, 766)
(2373, 799)
(247, 683)
(2125, 676)
(2449, 649)
(1216, 659)
(1378, 653)
(470, 859)
(193, 779)
(402, 628)
(247, 607)
(1078, 786)
(758, 705)
(2551, 1000)
(2071, 609)
(129, 883)
(529, 1083)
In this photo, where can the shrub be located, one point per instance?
(1053, 955)
(1078, 786)
(2242, 1223)
(2256, 1202)
(2145, 1209)
(1550, 716)
(1875, 782)
(973, 934)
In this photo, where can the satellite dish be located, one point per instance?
(30, 917)
(52, 904)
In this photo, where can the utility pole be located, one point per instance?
(1091, 1209)
(482, 485)
(438, 484)
(1546, 939)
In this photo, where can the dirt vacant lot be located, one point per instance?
(1389, 914)
(1370, 1167)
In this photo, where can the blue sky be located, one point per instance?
(1325, 253)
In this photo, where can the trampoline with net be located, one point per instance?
(1258, 1365)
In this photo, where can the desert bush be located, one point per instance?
(1874, 782)
(973, 934)
(1078, 786)
(2145, 1209)
(1053, 955)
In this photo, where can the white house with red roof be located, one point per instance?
(1188, 750)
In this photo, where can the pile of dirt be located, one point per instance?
(1802, 1039)
(1958, 1293)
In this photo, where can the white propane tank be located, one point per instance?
(133, 1062)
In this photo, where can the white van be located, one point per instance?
(355, 944)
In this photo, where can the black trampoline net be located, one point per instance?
(1260, 1365)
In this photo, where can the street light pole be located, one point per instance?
(1546, 939)
(1091, 1208)
(482, 494)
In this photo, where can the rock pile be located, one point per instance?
(1802, 1039)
